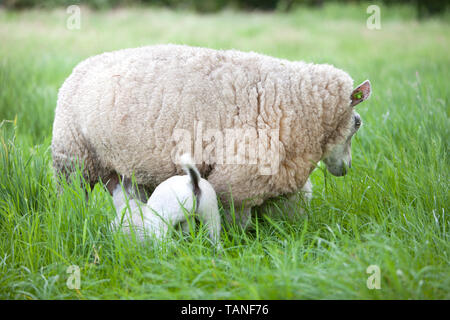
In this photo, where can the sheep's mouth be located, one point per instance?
(336, 169)
(338, 172)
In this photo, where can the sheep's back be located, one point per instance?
(129, 104)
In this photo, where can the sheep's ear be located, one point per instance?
(361, 93)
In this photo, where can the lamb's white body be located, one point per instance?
(118, 112)
(165, 207)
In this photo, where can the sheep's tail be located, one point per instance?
(191, 170)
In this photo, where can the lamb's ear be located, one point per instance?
(361, 93)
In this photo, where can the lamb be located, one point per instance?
(256, 125)
(165, 206)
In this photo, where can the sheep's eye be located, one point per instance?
(357, 122)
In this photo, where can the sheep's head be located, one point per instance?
(338, 154)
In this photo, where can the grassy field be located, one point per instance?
(391, 210)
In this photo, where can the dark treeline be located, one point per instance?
(424, 7)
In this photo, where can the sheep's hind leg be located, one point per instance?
(72, 152)
(185, 227)
(134, 191)
(242, 217)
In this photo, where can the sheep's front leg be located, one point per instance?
(305, 192)
(291, 203)
(159, 230)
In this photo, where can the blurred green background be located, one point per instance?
(423, 8)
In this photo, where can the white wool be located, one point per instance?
(118, 111)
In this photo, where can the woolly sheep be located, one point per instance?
(129, 111)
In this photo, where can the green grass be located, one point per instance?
(391, 210)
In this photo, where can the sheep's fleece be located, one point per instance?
(119, 112)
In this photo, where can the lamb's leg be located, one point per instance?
(120, 203)
(119, 199)
(130, 213)
(211, 218)
(159, 230)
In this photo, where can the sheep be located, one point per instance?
(132, 111)
(170, 204)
